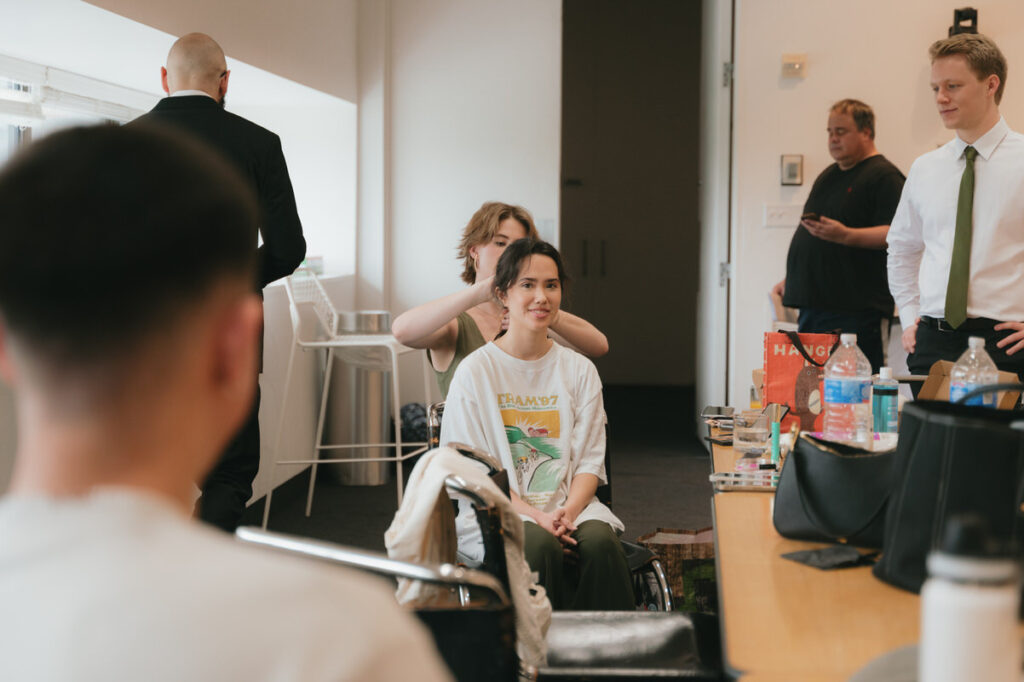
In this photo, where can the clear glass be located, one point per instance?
(751, 433)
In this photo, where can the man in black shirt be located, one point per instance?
(835, 270)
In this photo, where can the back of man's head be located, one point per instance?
(195, 62)
(981, 53)
(108, 236)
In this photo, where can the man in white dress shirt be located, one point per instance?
(132, 356)
(956, 245)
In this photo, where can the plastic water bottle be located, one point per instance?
(885, 402)
(969, 608)
(848, 394)
(974, 368)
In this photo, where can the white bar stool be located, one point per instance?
(304, 288)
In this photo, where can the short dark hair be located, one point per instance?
(983, 56)
(107, 234)
(510, 263)
(862, 115)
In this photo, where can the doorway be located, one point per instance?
(631, 106)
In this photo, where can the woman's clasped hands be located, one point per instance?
(560, 524)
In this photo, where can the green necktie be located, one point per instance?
(960, 264)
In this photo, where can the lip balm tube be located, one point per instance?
(775, 442)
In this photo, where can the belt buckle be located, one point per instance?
(943, 326)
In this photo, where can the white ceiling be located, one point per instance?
(84, 39)
(312, 42)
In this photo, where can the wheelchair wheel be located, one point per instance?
(648, 592)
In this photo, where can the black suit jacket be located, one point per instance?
(256, 153)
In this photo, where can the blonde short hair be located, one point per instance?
(981, 53)
(484, 225)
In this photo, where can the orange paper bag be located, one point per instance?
(794, 375)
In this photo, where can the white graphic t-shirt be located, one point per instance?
(544, 419)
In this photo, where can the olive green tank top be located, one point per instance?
(467, 340)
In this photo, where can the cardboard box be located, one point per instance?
(936, 386)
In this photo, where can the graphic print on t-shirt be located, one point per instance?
(533, 430)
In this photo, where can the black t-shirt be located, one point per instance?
(829, 276)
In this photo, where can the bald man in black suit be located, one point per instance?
(196, 80)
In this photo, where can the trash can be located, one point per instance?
(359, 404)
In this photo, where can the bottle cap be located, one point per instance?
(970, 535)
(846, 339)
(885, 373)
(969, 553)
(976, 343)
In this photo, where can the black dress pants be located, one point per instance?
(934, 343)
(229, 485)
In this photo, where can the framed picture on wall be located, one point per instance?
(792, 169)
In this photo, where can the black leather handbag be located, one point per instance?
(832, 492)
(951, 459)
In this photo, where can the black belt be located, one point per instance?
(971, 324)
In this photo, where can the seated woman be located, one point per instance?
(452, 327)
(537, 406)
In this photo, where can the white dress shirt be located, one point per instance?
(191, 93)
(921, 236)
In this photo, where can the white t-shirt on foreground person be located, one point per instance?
(125, 587)
(555, 415)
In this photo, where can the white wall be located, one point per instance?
(319, 143)
(475, 117)
(475, 96)
(871, 50)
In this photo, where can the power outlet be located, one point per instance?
(782, 215)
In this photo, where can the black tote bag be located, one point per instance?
(950, 459)
(832, 492)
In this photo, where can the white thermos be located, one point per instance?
(969, 606)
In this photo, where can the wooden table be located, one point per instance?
(785, 621)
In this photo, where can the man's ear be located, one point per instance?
(163, 79)
(7, 371)
(992, 84)
(224, 83)
(235, 345)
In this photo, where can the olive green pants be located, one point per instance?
(595, 579)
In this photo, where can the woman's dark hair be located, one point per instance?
(511, 262)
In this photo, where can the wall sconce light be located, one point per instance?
(794, 66)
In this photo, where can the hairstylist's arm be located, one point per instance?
(433, 324)
(579, 334)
